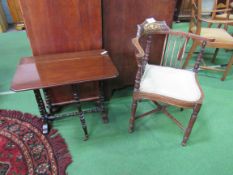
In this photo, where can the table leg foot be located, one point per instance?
(84, 126)
(101, 104)
(85, 138)
(45, 128)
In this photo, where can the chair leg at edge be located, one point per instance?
(192, 120)
(228, 68)
(209, 25)
(215, 55)
(132, 119)
(189, 56)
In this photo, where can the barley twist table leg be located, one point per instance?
(81, 114)
(42, 110)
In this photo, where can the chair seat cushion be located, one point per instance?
(170, 82)
(220, 35)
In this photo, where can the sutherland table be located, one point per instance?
(43, 72)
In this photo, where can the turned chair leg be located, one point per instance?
(189, 56)
(133, 113)
(209, 25)
(226, 27)
(219, 26)
(215, 55)
(228, 68)
(192, 120)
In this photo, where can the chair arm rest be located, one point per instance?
(200, 38)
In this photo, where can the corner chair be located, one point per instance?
(166, 83)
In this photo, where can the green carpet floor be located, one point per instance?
(154, 148)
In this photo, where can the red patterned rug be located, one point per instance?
(24, 150)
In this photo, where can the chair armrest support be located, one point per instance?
(140, 52)
(199, 57)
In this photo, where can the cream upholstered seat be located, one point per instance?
(175, 83)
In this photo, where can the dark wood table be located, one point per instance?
(58, 26)
(44, 72)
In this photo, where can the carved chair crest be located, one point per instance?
(150, 26)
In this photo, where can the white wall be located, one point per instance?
(207, 5)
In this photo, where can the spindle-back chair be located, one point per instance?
(222, 11)
(222, 39)
(166, 83)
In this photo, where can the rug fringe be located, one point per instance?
(61, 151)
(26, 117)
